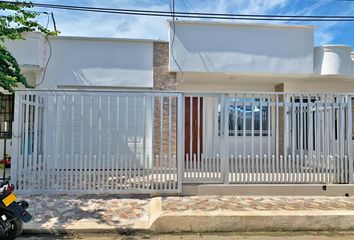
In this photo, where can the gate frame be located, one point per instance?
(18, 136)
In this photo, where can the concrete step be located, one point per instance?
(268, 189)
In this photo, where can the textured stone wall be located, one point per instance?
(164, 80)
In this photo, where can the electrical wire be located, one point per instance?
(50, 52)
(188, 13)
(54, 23)
(200, 15)
(174, 35)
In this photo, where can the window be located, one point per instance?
(6, 112)
(241, 110)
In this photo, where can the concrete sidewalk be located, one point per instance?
(93, 213)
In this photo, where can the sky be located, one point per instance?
(75, 23)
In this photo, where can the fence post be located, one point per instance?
(16, 135)
(224, 153)
(180, 140)
(349, 139)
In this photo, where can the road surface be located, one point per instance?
(211, 236)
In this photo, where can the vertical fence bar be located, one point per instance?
(252, 138)
(310, 137)
(277, 133)
(325, 138)
(72, 146)
(159, 167)
(269, 134)
(261, 117)
(84, 171)
(16, 139)
(26, 142)
(110, 168)
(206, 134)
(92, 176)
(226, 145)
(191, 136)
(134, 131)
(293, 144)
(244, 139)
(180, 139)
(236, 135)
(333, 131)
(301, 139)
(341, 139)
(317, 144)
(35, 141)
(169, 160)
(22, 137)
(349, 139)
(198, 139)
(145, 166)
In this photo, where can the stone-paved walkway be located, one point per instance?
(233, 203)
(94, 212)
(60, 211)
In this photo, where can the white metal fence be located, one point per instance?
(114, 142)
(268, 138)
(151, 142)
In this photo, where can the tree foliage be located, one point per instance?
(16, 19)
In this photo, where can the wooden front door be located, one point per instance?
(193, 130)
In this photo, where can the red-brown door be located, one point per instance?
(192, 135)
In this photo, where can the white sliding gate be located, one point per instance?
(152, 142)
(96, 142)
(268, 138)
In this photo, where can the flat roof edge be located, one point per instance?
(241, 24)
(107, 39)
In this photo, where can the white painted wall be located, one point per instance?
(99, 62)
(333, 60)
(242, 48)
(28, 52)
(326, 86)
(80, 61)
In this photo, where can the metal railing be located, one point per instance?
(268, 138)
(152, 142)
(96, 142)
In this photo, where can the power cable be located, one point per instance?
(172, 8)
(50, 48)
(54, 23)
(200, 15)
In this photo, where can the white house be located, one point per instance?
(232, 77)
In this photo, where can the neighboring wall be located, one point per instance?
(85, 62)
(94, 62)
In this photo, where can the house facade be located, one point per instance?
(252, 95)
(202, 56)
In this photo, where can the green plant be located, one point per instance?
(16, 19)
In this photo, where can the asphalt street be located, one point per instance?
(201, 236)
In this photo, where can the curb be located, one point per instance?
(253, 222)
